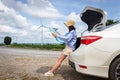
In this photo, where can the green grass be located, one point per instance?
(37, 46)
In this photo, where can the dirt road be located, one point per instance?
(23, 64)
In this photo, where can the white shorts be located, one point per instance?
(67, 51)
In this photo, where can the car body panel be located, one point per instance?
(110, 34)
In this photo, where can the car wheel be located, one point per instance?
(114, 72)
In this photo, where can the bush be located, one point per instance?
(39, 46)
(7, 40)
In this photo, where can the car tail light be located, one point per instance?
(89, 39)
(82, 66)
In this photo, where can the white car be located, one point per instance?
(99, 52)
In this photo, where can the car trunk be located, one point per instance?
(93, 17)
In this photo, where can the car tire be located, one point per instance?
(114, 71)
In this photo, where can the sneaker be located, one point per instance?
(48, 74)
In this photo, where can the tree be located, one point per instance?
(7, 40)
(110, 21)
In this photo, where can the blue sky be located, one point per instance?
(21, 19)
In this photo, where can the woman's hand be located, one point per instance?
(55, 35)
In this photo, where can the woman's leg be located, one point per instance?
(59, 62)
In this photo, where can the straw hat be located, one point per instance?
(70, 23)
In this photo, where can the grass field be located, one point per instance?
(36, 46)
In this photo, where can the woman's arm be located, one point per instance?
(65, 38)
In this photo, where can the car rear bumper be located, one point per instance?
(90, 70)
(90, 61)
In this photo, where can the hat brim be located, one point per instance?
(66, 24)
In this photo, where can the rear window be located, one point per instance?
(101, 27)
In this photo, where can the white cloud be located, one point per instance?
(6, 29)
(12, 23)
(11, 18)
(54, 24)
(74, 16)
(34, 27)
(35, 8)
(41, 8)
(24, 33)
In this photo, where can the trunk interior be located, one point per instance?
(91, 18)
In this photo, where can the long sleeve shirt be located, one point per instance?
(69, 39)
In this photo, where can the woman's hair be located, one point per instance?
(71, 28)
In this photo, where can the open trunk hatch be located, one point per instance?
(93, 17)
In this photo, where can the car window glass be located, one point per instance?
(102, 27)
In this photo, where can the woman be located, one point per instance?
(70, 40)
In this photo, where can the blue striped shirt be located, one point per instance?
(69, 39)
